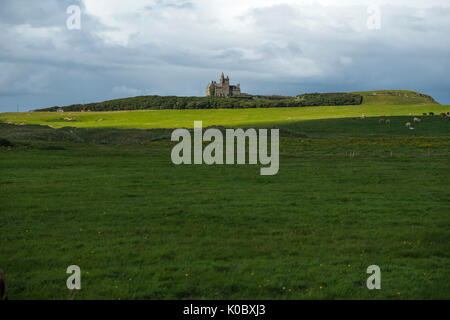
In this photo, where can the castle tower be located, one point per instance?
(223, 89)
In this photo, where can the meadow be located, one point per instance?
(104, 195)
(149, 119)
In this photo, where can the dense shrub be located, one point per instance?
(246, 101)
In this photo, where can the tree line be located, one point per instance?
(155, 102)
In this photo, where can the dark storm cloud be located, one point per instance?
(177, 47)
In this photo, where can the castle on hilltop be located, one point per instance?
(223, 89)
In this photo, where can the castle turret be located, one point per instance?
(223, 89)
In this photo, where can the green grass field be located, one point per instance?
(106, 197)
(224, 117)
(395, 98)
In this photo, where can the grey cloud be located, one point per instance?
(283, 50)
(37, 13)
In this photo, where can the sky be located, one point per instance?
(51, 56)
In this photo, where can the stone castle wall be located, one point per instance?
(223, 89)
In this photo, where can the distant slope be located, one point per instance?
(146, 119)
(395, 97)
(384, 97)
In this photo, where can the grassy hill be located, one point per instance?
(395, 97)
(147, 119)
(99, 190)
(154, 102)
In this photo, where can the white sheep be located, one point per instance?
(417, 120)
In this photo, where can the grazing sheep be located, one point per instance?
(448, 114)
(408, 124)
(363, 117)
(431, 113)
(3, 286)
(22, 124)
(381, 120)
(417, 120)
(388, 121)
(10, 122)
(100, 120)
(424, 114)
(443, 115)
